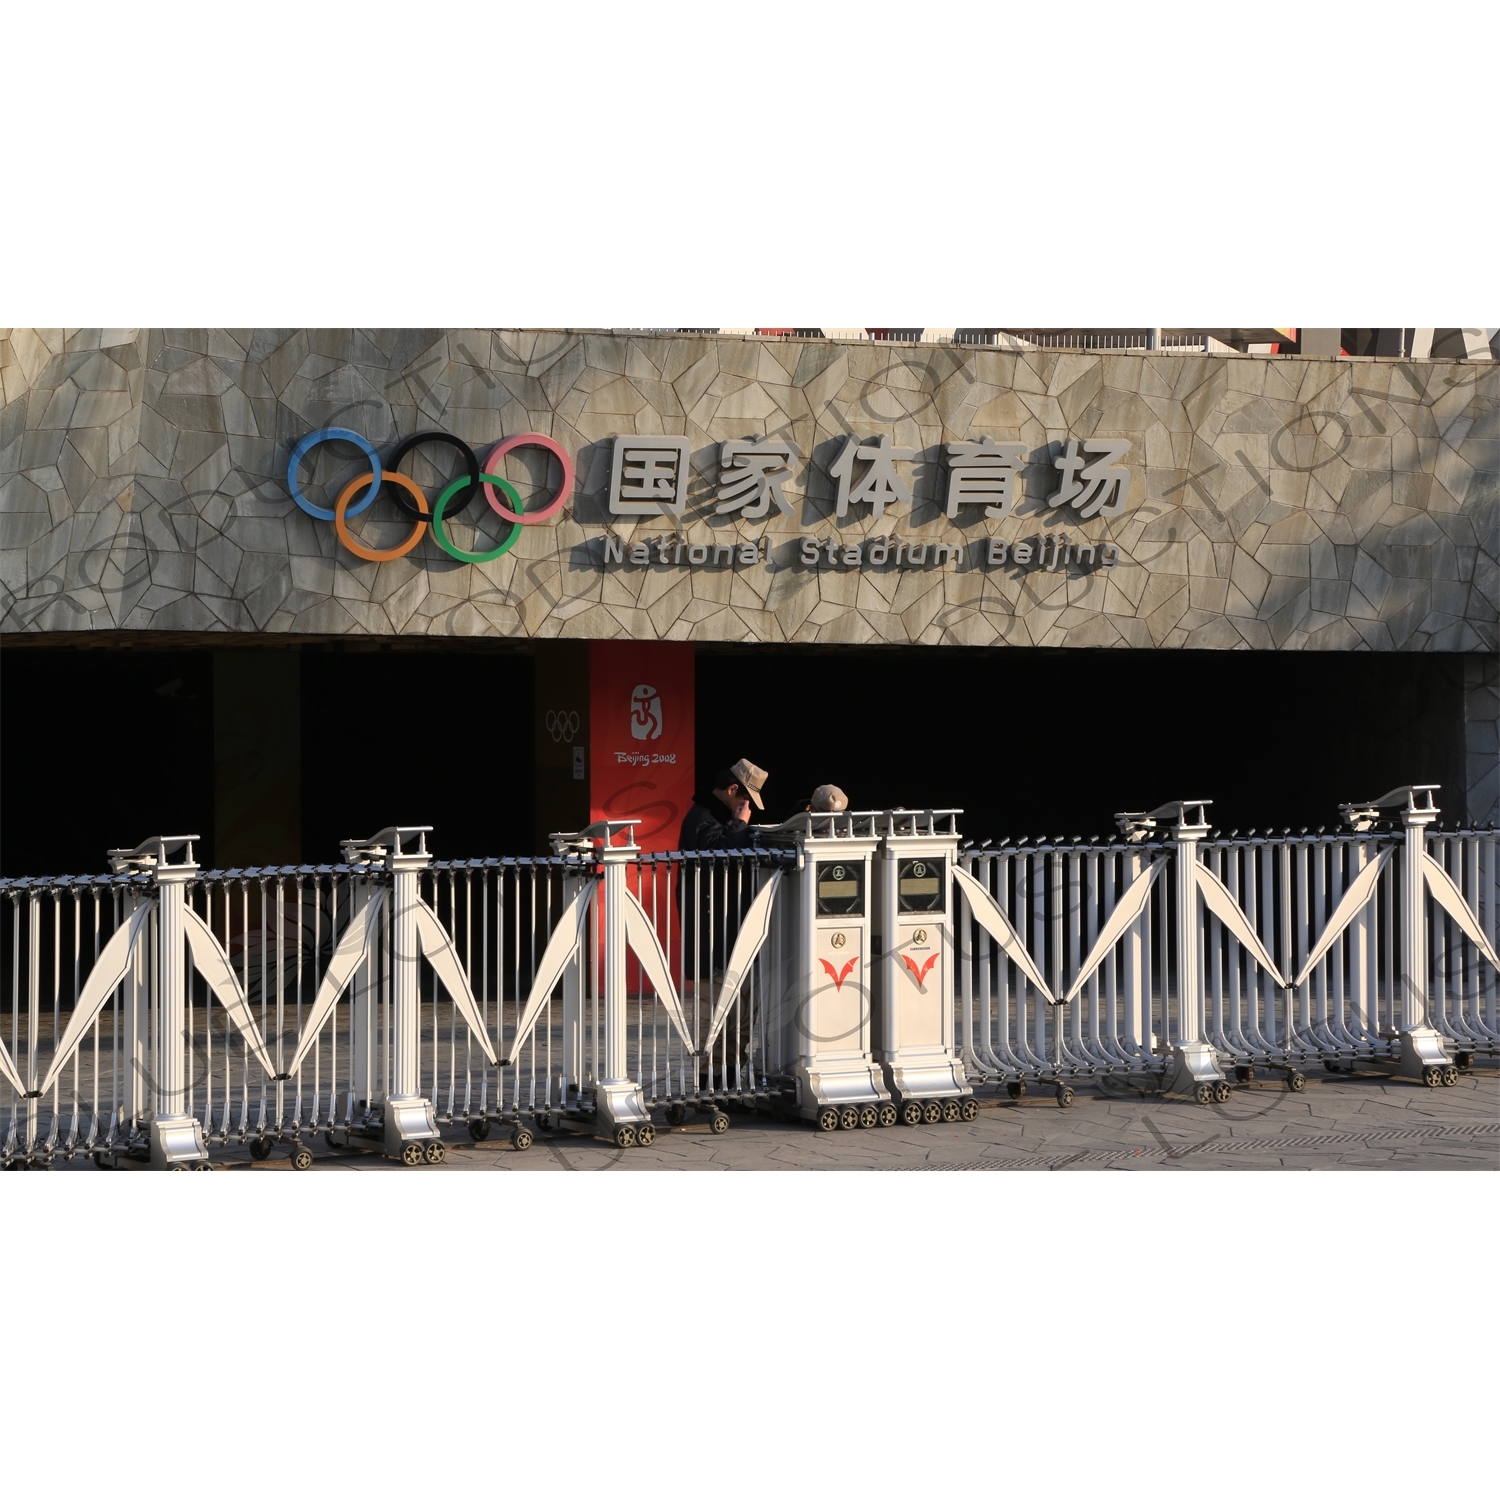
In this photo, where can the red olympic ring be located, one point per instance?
(527, 440)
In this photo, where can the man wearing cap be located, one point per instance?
(720, 817)
(712, 899)
(825, 799)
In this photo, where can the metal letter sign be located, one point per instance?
(1087, 491)
(649, 476)
(983, 473)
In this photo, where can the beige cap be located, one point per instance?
(751, 778)
(829, 798)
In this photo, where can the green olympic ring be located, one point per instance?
(441, 536)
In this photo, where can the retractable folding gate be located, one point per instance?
(160, 1013)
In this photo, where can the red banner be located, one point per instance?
(641, 728)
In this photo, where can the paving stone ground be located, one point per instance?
(1338, 1122)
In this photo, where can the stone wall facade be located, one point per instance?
(1275, 503)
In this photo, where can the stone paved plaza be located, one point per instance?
(1366, 1122)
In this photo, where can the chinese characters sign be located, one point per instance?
(649, 477)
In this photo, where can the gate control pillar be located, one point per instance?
(823, 1017)
(913, 1038)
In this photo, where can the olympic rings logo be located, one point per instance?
(412, 501)
(562, 726)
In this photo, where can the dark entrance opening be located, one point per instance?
(100, 749)
(439, 736)
(1033, 742)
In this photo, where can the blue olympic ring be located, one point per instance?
(325, 435)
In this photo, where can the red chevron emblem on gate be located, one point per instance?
(838, 976)
(919, 974)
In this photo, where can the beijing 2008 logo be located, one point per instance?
(455, 496)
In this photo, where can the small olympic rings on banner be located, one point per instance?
(527, 440)
(470, 459)
(341, 512)
(329, 435)
(440, 533)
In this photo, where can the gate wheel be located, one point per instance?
(886, 1115)
(479, 1129)
(1064, 1096)
(1450, 1077)
(848, 1118)
(520, 1138)
(433, 1152)
(301, 1158)
(260, 1147)
(676, 1114)
(932, 1111)
(719, 1124)
(869, 1117)
(911, 1112)
(1204, 1093)
(625, 1137)
(1432, 1077)
(968, 1110)
(828, 1119)
(412, 1154)
(645, 1134)
(1015, 1088)
(1296, 1082)
(1222, 1092)
(950, 1111)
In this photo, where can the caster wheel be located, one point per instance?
(260, 1147)
(950, 1111)
(645, 1135)
(1330, 1067)
(968, 1111)
(301, 1158)
(104, 1161)
(1222, 1092)
(1243, 1074)
(676, 1114)
(849, 1118)
(887, 1115)
(932, 1112)
(208, 1166)
(1432, 1077)
(1464, 1059)
(1064, 1096)
(625, 1137)
(828, 1119)
(412, 1154)
(329, 1141)
(1450, 1077)
(521, 1138)
(1015, 1089)
(720, 1123)
(1204, 1093)
(1296, 1082)
(479, 1130)
(869, 1117)
(911, 1113)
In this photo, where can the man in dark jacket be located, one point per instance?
(720, 818)
(712, 899)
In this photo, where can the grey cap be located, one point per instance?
(829, 799)
(751, 778)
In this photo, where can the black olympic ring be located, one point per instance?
(409, 506)
(1317, 437)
